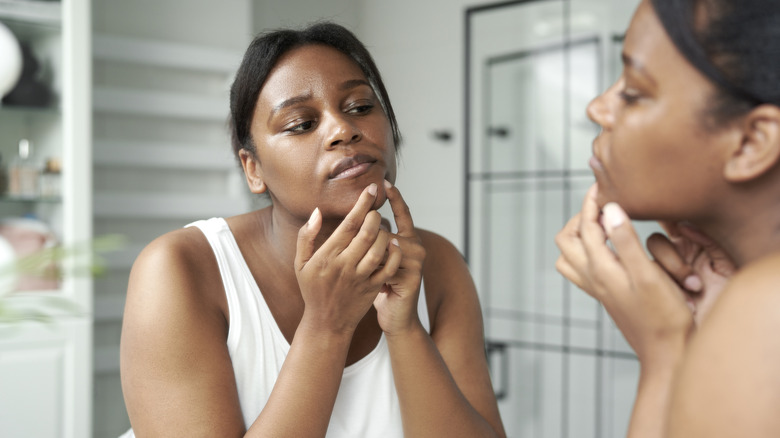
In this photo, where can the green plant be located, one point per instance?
(59, 262)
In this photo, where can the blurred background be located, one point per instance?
(114, 122)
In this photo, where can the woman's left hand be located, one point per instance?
(396, 304)
(646, 304)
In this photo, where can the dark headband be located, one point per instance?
(677, 18)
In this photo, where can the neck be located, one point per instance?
(281, 234)
(748, 232)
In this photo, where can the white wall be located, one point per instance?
(273, 14)
(418, 46)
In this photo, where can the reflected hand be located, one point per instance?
(645, 303)
(696, 262)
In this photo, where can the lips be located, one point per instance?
(350, 166)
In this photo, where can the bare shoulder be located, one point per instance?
(174, 280)
(751, 299)
(179, 264)
(174, 335)
(440, 252)
(733, 363)
(448, 284)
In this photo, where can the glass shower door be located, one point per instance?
(559, 366)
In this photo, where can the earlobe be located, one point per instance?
(252, 171)
(759, 150)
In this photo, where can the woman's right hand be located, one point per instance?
(340, 281)
(695, 261)
(643, 300)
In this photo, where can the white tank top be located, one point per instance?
(366, 405)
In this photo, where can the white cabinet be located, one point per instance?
(45, 367)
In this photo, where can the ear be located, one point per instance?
(253, 171)
(759, 149)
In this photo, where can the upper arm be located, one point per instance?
(456, 324)
(729, 384)
(176, 373)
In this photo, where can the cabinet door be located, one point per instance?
(45, 379)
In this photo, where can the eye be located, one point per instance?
(300, 127)
(629, 96)
(360, 107)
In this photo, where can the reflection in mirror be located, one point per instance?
(559, 366)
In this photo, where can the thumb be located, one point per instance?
(306, 236)
(623, 237)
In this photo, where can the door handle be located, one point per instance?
(493, 349)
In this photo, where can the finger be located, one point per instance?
(391, 265)
(375, 255)
(363, 241)
(694, 235)
(589, 215)
(570, 245)
(591, 232)
(672, 228)
(668, 257)
(403, 217)
(352, 223)
(565, 268)
(626, 242)
(306, 235)
(721, 261)
(385, 225)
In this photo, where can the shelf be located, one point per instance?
(162, 155)
(160, 104)
(47, 13)
(165, 54)
(30, 199)
(15, 110)
(167, 206)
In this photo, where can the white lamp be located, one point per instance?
(10, 60)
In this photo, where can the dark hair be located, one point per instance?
(735, 43)
(263, 53)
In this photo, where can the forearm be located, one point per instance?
(308, 383)
(431, 403)
(650, 415)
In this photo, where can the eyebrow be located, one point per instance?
(346, 85)
(289, 102)
(352, 83)
(638, 66)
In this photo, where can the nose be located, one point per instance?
(602, 109)
(343, 132)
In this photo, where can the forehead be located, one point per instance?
(308, 69)
(645, 34)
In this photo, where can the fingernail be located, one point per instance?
(692, 283)
(314, 216)
(613, 216)
(372, 189)
(387, 184)
(394, 242)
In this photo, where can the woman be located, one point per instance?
(691, 132)
(307, 318)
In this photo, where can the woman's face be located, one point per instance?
(321, 134)
(654, 155)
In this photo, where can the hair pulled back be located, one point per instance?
(262, 55)
(735, 43)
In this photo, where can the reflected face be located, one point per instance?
(320, 133)
(654, 155)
